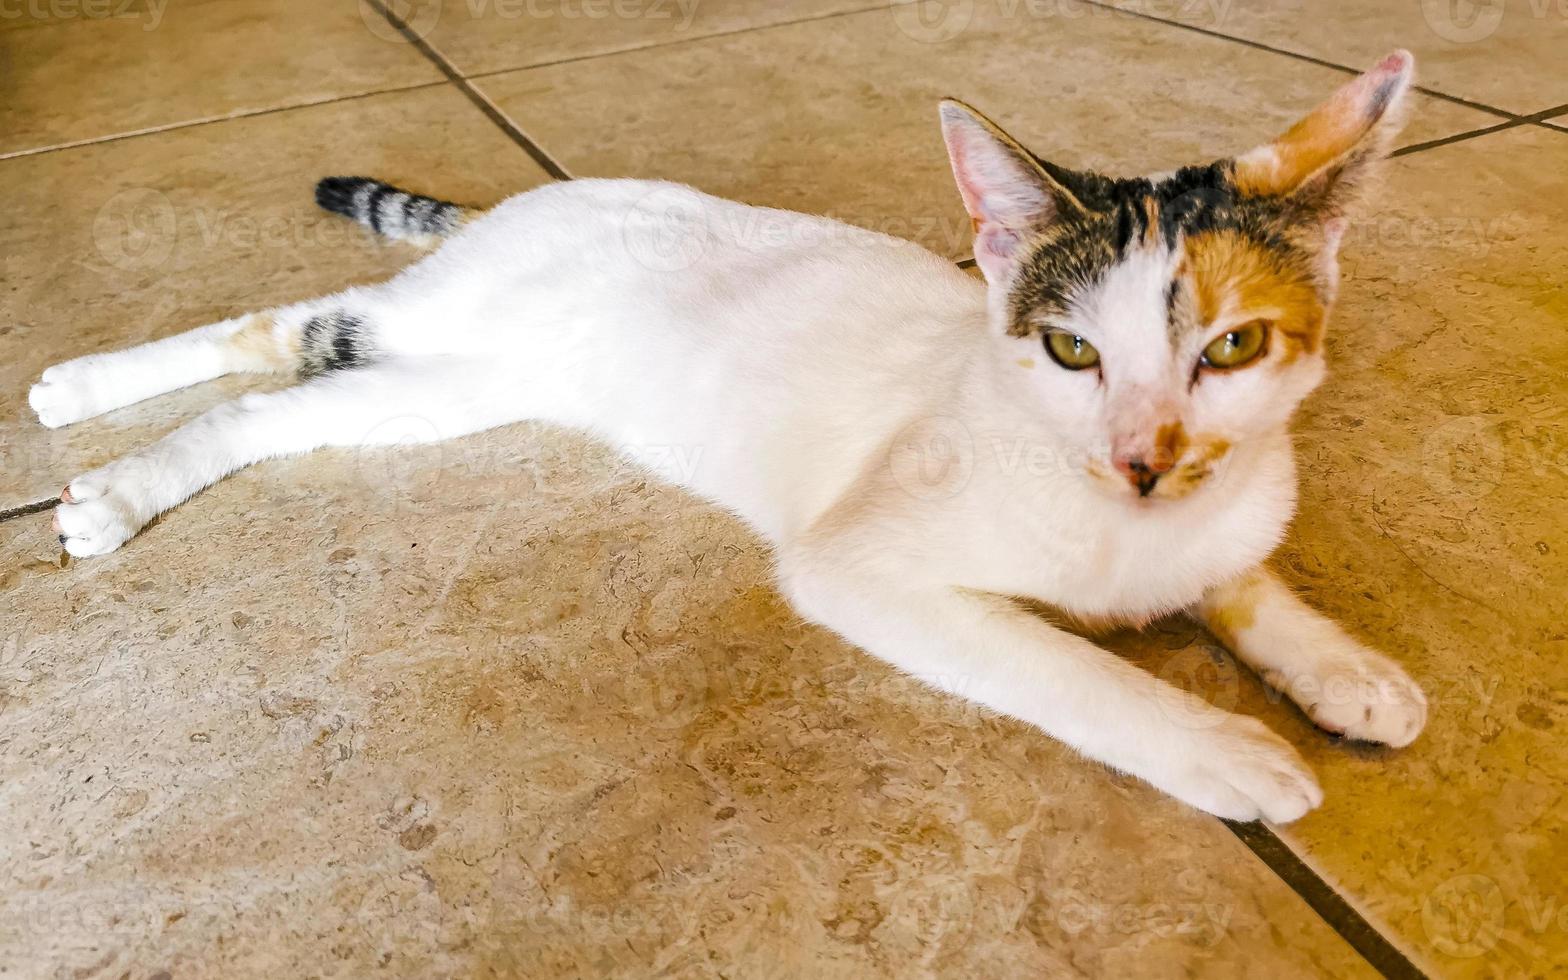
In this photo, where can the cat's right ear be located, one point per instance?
(1009, 196)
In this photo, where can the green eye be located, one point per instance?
(1071, 351)
(1236, 347)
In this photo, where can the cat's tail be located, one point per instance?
(390, 212)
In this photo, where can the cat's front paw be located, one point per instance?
(99, 512)
(64, 394)
(1240, 770)
(1365, 696)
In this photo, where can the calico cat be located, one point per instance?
(1100, 427)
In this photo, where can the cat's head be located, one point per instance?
(1161, 322)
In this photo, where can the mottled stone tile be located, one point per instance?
(839, 116)
(1432, 522)
(85, 69)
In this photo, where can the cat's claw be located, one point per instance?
(1239, 770)
(95, 516)
(1367, 697)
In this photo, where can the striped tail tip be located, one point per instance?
(388, 211)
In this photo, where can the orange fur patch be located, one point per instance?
(1232, 275)
(1170, 441)
(1151, 228)
(1234, 608)
(1192, 471)
(1324, 135)
(256, 348)
(1208, 450)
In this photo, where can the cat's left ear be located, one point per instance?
(1321, 164)
(1008, 194)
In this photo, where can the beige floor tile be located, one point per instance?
(494, 35)
(1432, 520)
(83, 69)
(839, 116)
(1503, 53)
(123, 242)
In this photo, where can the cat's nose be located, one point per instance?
(1144, 471)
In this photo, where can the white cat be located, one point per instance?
(1102, 428)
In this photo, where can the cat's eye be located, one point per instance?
(1236, 347)
(1071, 351)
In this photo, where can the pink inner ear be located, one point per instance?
(996, 250)
(994, 188)
(1003, 193)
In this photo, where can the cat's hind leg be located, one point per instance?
(309, 337)
(394, 401)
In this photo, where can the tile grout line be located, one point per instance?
(1325, 900)
(1533, 119)
(1459, 137)
(1310, 59)
(1547, 118)
(478, 98)
(211, 120)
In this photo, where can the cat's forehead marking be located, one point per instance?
(1234, 276)
(1241, 250)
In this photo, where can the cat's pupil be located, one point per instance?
(1233, 339)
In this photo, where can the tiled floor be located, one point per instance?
(504, 707)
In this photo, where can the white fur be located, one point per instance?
(840, 390)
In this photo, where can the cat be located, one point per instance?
(1099, 427)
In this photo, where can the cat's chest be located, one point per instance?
(1107, 561)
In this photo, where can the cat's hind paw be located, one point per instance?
(95, 516)
(63, 395)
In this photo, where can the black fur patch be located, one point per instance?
(333, 342)
(373, 206)
(338, 194)
(1082, 244)
(386, 210)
